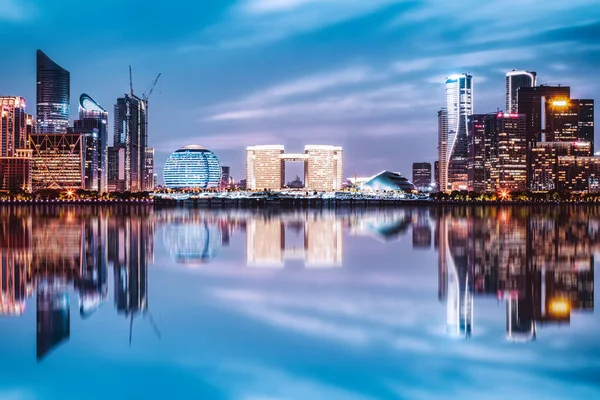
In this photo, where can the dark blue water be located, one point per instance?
(423, 303)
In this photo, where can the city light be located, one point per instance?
(559, 307)
(504, 194)
(559, 103)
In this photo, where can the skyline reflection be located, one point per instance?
(538, 261)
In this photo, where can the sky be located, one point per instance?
(365, 75)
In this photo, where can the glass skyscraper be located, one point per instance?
(53, 96)
(131, 135)
(516, 79)
(93, 122)
(454, 128)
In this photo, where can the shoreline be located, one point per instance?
(218, 203)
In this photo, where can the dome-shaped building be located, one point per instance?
(192, 167)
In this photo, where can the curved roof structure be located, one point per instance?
(89, 104)
(388, 181)
(192, 147)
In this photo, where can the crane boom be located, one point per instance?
(151, 89)
(130, 82)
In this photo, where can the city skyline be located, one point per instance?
(352, 93)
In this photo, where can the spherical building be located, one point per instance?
(192, 167)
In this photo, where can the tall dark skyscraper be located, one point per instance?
(421, 175)
(532, 103)
(93, 123)
(516, 79)
(585, 124)
(53, 96)
(497, 152)
(131, 136)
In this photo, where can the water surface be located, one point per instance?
(416, 303)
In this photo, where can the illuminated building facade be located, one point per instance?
(388, 181)
(15, 125)
(130, 135)
(532, 102)
(149, 170)
(544, 156)
(93, 123)
(421, 175)
(516, 79)
(53, 96)
(192, 167)
(497, 152)
(578, 173)
(57, 161)
(265, 169)
(225, 176)
(89, 137)
(15, 172)
(442, 169)
(570, 120)
(459, 106)
(323, 167)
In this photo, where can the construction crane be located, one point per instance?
(151, 88)
(130, 82)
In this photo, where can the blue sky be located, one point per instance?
(367, 75)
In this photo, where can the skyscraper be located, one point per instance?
(265, 169)
(130, 135)
(532, 103)
(93, 123)
(459, 105)
(323, 167)
(15, 125)
(53, 95)
(149, 170)
(421, 175)
(516, 79)
(442, 170)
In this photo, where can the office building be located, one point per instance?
(265, 169)
(436, 175)
(130, 136)
(532, 102)
(192, 167)
(479, 165)
(544, 156)
(421, 175)
(89, 139)
(57, 161)
(442, 166)
(516, 79)
(53, 96)
(578, 173)
(497, 152)
(15, 172)
(570, 120)
(149, 170)
(323, 167)
(93, 124)
(15, 125)
(459, 105)
(225, 177)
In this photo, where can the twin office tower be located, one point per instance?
(486, 152)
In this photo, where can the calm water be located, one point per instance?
(472, 303)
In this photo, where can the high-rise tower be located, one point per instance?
(130, 142)
(516, 79)
(53, 95)
(459, 105)
(92, 123)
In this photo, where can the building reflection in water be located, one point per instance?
(53, 250)
(540, 261)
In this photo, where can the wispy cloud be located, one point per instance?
(258, 22)
(14, 10)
